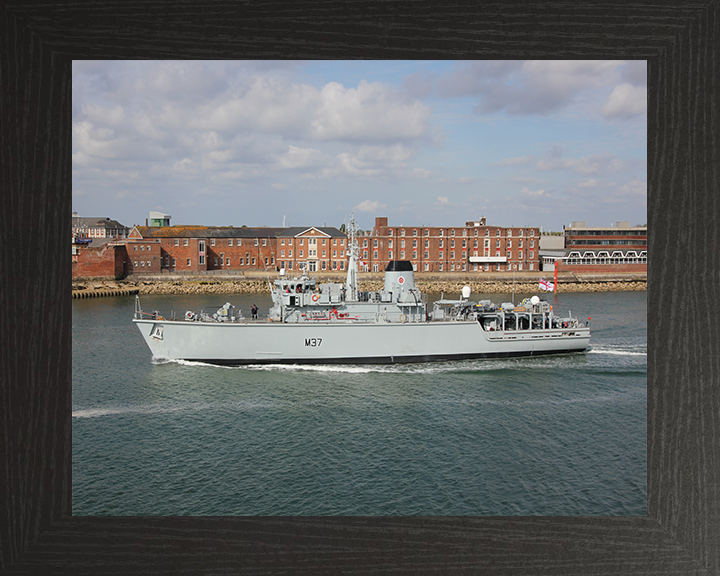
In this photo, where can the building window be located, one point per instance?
(402, 232)
(402, 254)
(174, 263)
(230, 242)
(264, 241)
(375, 244)
(177, 241)
(215, 262)
(227, 261)
(253, 261)
(256, 242)
(282, 253)
(414, 255)
(441, 267)
(427, 254)
(201, 259)
(427, 232)
(212, 241)
(142, 247)
(452, 255)
(135, 248)
(375, 255)
(390, 245)
(441, 244)
(301, 252)
(427, 267)
(188, 261)
(452, 243)
(452, 232)
(290, 254)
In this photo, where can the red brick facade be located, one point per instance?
(106, 261)
(474, 247)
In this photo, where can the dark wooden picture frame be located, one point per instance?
(681, 532)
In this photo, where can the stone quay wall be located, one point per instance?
(488, 283)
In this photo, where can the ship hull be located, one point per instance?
(349, 343)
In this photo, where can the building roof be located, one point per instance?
(206, 232)
(294, 231)
(107, 223)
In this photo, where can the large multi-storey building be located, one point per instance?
(618, 248)
(83, 227)
(211, 248)
(474, 247)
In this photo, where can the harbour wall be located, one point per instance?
(488, 283)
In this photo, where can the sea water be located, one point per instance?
(553, 435)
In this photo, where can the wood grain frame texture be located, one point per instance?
(681, 532)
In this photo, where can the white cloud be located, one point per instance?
(626, 100)
(589, 183)
(530, 87)
(515, 161)
(635, 188)
(443, 201)
(531, 193)
(297, 158)
(369, 206)
(587, 165)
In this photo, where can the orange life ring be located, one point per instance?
(315, 297)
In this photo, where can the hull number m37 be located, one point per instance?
(313, 342)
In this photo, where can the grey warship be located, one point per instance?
(335, 323)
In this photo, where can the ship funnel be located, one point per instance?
(399, 276)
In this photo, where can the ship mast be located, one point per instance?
(351, 286)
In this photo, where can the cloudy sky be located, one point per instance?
(536, 143)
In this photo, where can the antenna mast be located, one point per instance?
(351, 285)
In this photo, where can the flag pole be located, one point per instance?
(555, 286)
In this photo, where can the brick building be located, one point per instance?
(619, 248)
(474, 247)
(314, 249)
(206, 248)
(105, 260)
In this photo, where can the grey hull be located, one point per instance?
(349, 343)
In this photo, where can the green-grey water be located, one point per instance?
(556, 435)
